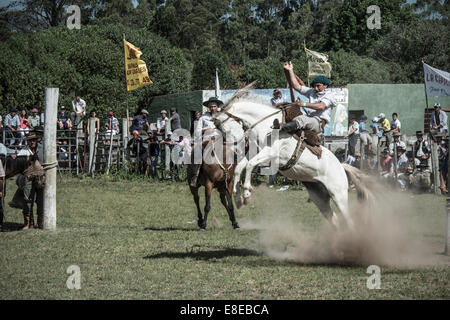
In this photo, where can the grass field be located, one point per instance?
(139, 240)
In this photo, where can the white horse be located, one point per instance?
(324, 178)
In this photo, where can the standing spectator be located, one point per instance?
(24, 127)
(139, 121)
(111, 124)
(438, 122)
(443, 164)
(277, 97)
(161, 123)
(35, 120)
(79, 110)
(395, 123)
(63, 120)
(377, 133)
(184, 153)
(153, 149)
(385, 126)
(175, 122)
(352, 136)
(193, 124)
(398, 142)
(93, 117)
(12, 125)
(421, 149)
(136, 146)
(364, 132)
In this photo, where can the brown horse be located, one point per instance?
(219, 175)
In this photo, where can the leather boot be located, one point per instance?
(290, 127)
(27, 222)
(40, 222)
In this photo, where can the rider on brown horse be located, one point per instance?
(204, 128)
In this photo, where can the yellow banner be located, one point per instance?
(317, 64)
(135, 68)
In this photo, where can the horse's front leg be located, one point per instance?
(266, 154)
(194, 191)
(236, 183)
(208, 192)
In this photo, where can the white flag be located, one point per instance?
(217, 85)
(437, 81)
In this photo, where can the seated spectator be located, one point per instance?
(153, 148)
(24, 127)
(386, 164)
(137, 148)
(12, 126)
(35, 120)
(421, 148)
(111, 125)
(79, 110)
(161, 123)
(175, 122)
(398, 142)
(376, 134)
(139, 122)
(385, 126)
(277, 97)
(438, 122)
(395, 123)
(63, 120)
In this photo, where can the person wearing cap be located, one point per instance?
(79, 110)
(277, 97)
(438, 122)
(63, 120)
(397, 141)
(136, 146)
(12, 124)
(364, 132)
(139, 121)
(421, 149)
(34, 119)
(204, 127)
(321, 101)
(111, 124)
(161, 123)
(175, 122)
(385, 126)
(376, 134)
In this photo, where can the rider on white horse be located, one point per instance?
(205, 128)
(320, 100)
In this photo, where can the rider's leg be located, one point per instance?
(302, 122)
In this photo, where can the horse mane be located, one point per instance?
(243, 92)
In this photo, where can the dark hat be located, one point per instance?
(37, 133)
(386, 150)
(396, 134)
(213, 99)
(419, 133)
(364, 117)
(409, 154)
(321, 79)
(437, 105)
(400, 148)
(13, 110)
(277, 91)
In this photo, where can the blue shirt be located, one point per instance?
(374, 131)
(12, 121)
(362, 127)
(138, 123)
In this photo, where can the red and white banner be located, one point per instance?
(437, 81)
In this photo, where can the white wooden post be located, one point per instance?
(92, 135)
(447, 238)
(51, 109)
(167, 149)
(435, 167)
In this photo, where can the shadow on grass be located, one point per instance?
(170, 229)
(205, 255)
(11, 227)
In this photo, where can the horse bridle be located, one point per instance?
(245, 127)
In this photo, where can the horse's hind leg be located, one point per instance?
(227, 201)
(208, 191)
(194, 192)
(321, 198)
(236, 182)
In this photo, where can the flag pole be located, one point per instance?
(304, 46)
(425, 83)
(126, 87)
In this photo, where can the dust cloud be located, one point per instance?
(385, 234)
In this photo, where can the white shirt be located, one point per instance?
(205, 122)
(355, 127)
(396, 124)
(325, 96)
(79, 106)
(419, 150)
(161, 123)
(399, 144)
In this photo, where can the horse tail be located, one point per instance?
(364, 184)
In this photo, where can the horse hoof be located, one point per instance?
(202, 230)
(238, 201)
(236, 227)
(246, 201)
